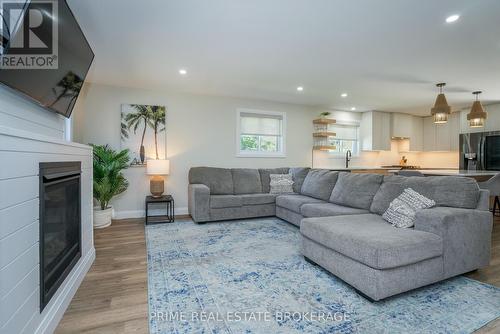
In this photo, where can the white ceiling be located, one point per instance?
(386, 54)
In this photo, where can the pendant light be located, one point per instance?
(477, 115)
(441, 108)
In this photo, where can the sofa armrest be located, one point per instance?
(466, 236)
(199, 202)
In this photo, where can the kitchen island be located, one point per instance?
(479, 175)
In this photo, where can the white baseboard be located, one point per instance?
(60, 302)
(141, 213)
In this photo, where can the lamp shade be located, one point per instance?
(158, 167)
(441, 109)
(477, 115)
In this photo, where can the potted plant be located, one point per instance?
(108, 181)
(325, 114)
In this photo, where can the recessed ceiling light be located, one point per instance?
(182, 71)
(353, 108)
(343, 95)
(452, 18)
(300, 88)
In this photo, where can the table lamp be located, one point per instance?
(157, 168)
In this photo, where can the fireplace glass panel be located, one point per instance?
(60, 246)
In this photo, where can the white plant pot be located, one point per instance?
(102, 218)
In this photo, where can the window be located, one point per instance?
(260, 133)
(347, 138)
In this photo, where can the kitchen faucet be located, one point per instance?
(347, 158)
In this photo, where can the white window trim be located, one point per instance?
(281, 154)
(340, 156)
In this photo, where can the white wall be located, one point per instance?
(201, 131)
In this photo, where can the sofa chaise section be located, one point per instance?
(380, 260)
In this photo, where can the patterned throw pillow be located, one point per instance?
(281, 184)
(402, 210)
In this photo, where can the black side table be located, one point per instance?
(169, 217)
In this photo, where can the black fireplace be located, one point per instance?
(60, 224)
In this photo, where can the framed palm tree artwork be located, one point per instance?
(143, 132)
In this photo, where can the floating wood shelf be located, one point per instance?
(324, 148)
(324, 121)
(324, 134)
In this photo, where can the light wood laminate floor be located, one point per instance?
(113, 295)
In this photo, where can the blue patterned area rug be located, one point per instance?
(248, 276)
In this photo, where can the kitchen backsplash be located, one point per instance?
(398, 149)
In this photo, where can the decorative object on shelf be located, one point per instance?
(157, 168)
(441, 109)
(169, 217)
(322, 135)
(325, 114)
(143, 126)
(403, 161)
(108, 181)
(477, 115)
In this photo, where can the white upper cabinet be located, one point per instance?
(417, 133)
(375, 131)
(441, 137)
(401, 125)
(454, 131)
(429, 134)
(408, 126)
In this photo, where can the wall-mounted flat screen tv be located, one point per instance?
(44, 53)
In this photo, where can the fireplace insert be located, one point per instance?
(60, 224)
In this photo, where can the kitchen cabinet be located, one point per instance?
(441, 137)
(401, 125)
(417, 134)
(429, 134)
(454, 131)
(408, 126)
(375, 131)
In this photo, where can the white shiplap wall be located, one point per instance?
(30, 135)
(18, 112)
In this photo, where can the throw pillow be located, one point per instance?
(281, 183)
(403, 209)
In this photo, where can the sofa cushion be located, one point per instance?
(293, 202)
(225, 201)
(265, 178)
(246, 181)
(403, 209)
(451, 191)
(256, 199)
(372, 241)
(281, 184)
(298, 175)
(219, 180)
(319, 183)
(328, 209)
(391, 187)
(356, 190)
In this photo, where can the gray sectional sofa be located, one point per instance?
(340, 220)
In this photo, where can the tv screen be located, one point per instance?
(45, 54)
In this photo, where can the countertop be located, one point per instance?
(456, 172)
(365, 168)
